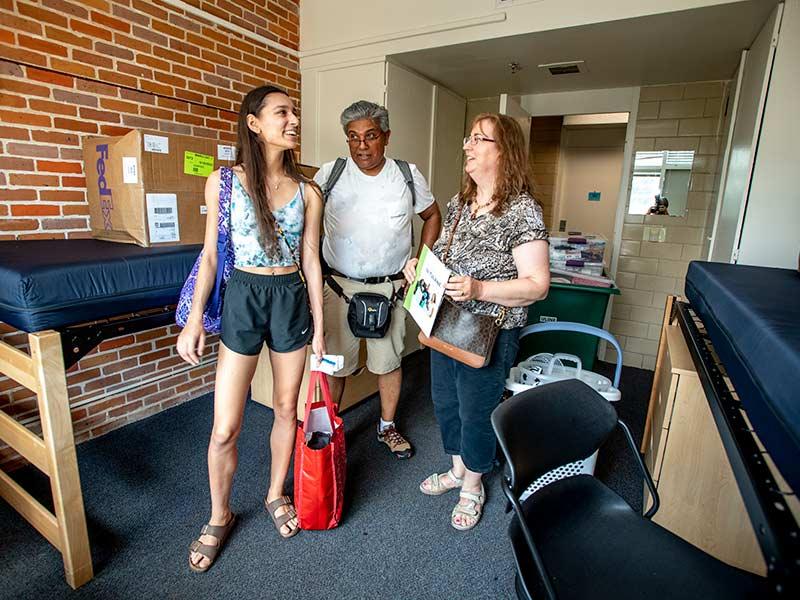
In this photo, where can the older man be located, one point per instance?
(370, 204)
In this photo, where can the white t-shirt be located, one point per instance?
(367, 222)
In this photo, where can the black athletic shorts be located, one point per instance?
(265, 308)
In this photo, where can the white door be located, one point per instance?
(744, 142)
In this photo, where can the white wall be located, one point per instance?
(325, 94)
(771, 231)
(370, 28)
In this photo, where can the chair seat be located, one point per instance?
(595, 546)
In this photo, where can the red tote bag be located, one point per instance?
(320, 460)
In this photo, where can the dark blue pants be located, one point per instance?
(464, 398)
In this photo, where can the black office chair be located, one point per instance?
(575, 538)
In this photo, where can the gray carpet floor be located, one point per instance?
(145, 491)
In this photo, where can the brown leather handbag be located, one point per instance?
(464, 336)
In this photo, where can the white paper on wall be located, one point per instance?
(226, 152)
(162, 218)
(156, 143)
(130, 170)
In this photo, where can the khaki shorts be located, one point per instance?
(383, 354)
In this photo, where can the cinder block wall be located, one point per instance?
(671, 117)
(545, 148)
(71, 69)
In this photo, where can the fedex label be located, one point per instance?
(106, 201)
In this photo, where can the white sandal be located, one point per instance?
(435, 485)
(473, 510)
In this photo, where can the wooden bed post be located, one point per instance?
(59, 442)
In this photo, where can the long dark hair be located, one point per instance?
(251, 155)
(513, 171)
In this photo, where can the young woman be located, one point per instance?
(274, 295)
(499, 258)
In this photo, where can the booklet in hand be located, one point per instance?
(424, 296)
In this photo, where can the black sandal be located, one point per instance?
(221, 532)
(287, 516)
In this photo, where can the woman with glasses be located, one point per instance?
(499, 258)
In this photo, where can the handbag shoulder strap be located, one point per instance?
(453, 229)
(225, 190)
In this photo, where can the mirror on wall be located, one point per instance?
(660, 183)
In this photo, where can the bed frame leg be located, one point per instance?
(60, 445)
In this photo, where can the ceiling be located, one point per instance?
(694, 45)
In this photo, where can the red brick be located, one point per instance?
(124, 410)
(139, 372)
(156, 88)
(130, 15)
(47, 106)
(17, 194)
(67, 8)
(58, 167)
(73, 182)
(16, 164)
(116, 343)
(135, 70)
(103, 429)
(70, 154)
(151, 356)
(92, 58)
(33, 210)
(34, 150)
(14, 133)
(171, 127)
(169, 30)
(53, 33)
(18, 224)
(99, 115)
(169, 55)
(137, 96)
(54, 137)
(91, 30)
(23, 56)
(157, 113)
(24, 87)
(111, 50)
(111, 22)
(147, 7)
(150, 36)
(120, 365)
(113, 130)
(67, 66)
(132, 43)
(96, 87)
(41, 45)
(72, 210)
(119, 105)
(72, 125)
(118, 78)
(12, 101)
(62, 196)
(79, 235)
(19, 24)
(72, 223)
(50, 77)
(35, 180)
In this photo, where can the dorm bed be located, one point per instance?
(69, 295)
(743, 323)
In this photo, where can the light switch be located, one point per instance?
(654, 233)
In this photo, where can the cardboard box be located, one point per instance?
(146, 188)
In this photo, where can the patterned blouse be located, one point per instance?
(482, 248)
(249, 250)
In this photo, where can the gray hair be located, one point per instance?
(364, 109)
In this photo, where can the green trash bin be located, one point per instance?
(568, 302)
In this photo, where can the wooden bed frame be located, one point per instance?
(54, 454)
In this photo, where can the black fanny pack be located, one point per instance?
(368, 314)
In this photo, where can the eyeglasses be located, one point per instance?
(476, 138)
(355, 140)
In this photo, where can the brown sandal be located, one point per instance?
(287, 516)
(221, 532)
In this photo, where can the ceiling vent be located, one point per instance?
(564, 68)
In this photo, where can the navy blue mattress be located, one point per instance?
(752, 315)
(48, 284)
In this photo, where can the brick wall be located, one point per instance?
(672, 117)
(545, 147)
(71, 69)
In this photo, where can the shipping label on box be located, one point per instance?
(162, 218)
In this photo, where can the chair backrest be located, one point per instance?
(549, 426)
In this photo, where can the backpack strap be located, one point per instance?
(336, 172)
(406, 171)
